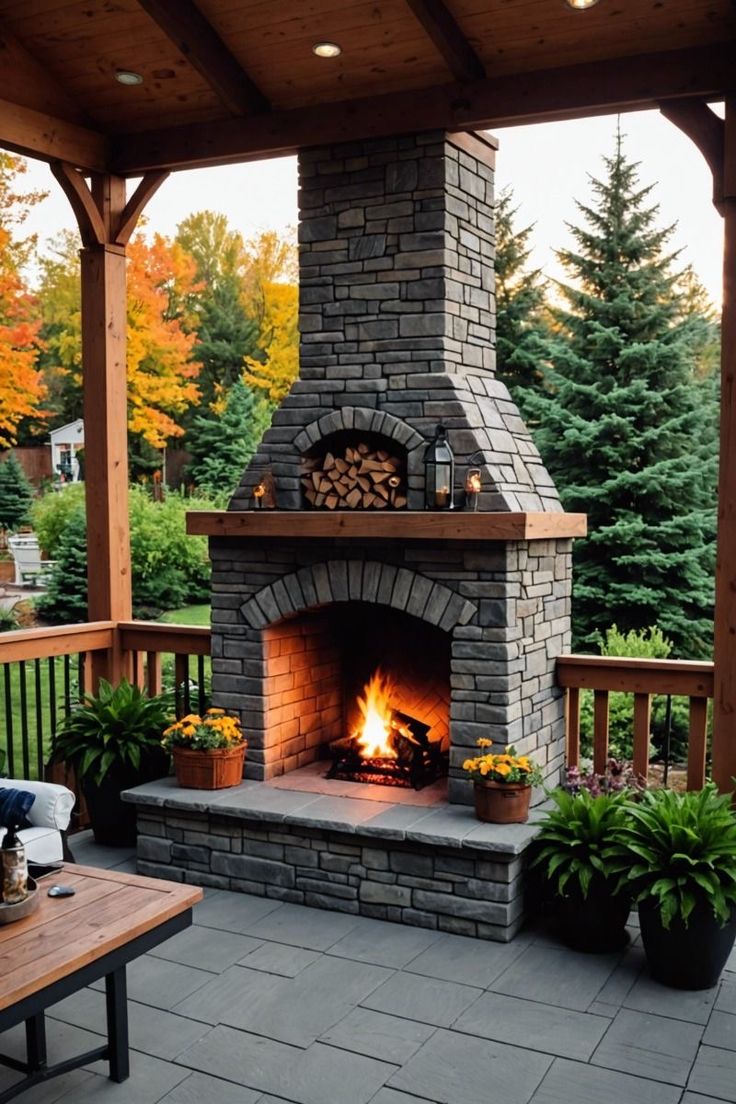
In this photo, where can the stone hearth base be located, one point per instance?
(429, 867)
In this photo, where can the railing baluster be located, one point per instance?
(181, 684)
(696, 744)
(39, 717)
(9, 720)
(572, 704)
(24, 719)
(137, 665)
(642, 726)
(201, 688)
(52, 695)
(153, 673)
(600, 730)
(67, 685)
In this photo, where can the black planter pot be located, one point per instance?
(596, 923)
(689, 957)
(112, 819)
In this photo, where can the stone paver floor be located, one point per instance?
(263, 1003)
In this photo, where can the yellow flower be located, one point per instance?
(483, 742)
(192, 718)
(484, 768)
(216, 711)
(503, 769)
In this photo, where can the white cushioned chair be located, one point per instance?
(49, 817)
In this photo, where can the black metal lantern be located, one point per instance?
(439, 472)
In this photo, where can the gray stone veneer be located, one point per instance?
(397, 317)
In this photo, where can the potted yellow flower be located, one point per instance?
(502, 784)
(208, 751)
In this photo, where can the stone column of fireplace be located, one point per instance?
(397, 333)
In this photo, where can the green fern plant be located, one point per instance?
(112, 729)
(679, 851)
(575, 839)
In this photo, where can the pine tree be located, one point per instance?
(16, 494)
(65, 600)
(520, 320)
(223, 442)
(226, 336)
(627, 428)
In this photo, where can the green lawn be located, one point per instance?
(187, 615)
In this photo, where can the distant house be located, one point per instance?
(66, 442)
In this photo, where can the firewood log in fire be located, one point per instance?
(363, 478)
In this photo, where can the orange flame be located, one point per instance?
(373, 733)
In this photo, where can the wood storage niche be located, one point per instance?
(352, 470)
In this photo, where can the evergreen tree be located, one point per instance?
(16, 494)
(519, 305)
(628, 429)
(65, 600)
(225, 337)
(223, 442)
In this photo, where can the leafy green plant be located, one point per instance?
(575, 839)
(8, 619)
(111, 729)
(678, 850)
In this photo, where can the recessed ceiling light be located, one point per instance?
(326, 49)
(581, 5)
(127, 76)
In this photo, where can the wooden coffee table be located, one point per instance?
(69, 942)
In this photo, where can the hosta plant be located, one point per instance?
(575, 840)
(678, 852)
(113, 728)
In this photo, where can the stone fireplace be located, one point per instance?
(348, 573)
(347, 584)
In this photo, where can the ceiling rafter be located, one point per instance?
(195, 37)
(594, 88)
(441, 26)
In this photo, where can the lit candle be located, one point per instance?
(472, 487)
(258, 492)
(441, 496)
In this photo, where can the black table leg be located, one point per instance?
(117, 1024)
(36, 1041)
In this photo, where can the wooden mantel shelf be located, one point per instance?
(398, 525)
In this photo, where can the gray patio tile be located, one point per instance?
(458, 1069)
(298, 1010)
(714, 1073)
(649, 1046)
(468, 961)
(233, 912)
(390, 1096)
(319, 1075)
(153, 1031)
(315, 929)
(427, 1000)
(199, 1088)
(384, 944)
(559, 977)
(731, 961)
(536, 1026)
(721, 1031)
(618, 986)
(279, 958)
(51, 1091)
(150, 1079)
(388, 1038)
(160, 983)
(200, 948)
(225, 993)
(574, 1083)
(63, 1040)
(648, 995)
(696, 1098)
(726, 999)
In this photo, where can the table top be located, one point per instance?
(108, 910)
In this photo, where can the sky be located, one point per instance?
(548, 167)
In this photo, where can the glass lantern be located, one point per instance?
(439, 472)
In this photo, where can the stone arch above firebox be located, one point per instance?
(359, 418)
(358, 581)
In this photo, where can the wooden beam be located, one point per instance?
(441, 27)
(373, 524)
(89, 220)
(724, 700)
(195, 37)
(619, 84)
(35, 134)
(701, 124)
(135, 206)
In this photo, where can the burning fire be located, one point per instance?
(373, 734)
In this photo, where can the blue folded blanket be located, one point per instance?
(14, 807)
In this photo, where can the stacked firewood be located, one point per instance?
(363, 478)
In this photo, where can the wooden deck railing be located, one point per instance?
(643, 678)
(44, 673)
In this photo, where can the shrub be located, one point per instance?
(574, 839)
(65, 599)
(51, 514)
(16, 494)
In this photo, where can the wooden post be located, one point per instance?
(724, 700)
(106, 222)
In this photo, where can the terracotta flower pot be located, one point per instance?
(502, 802)
(209, 770)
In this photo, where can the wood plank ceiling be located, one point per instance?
(227, 80)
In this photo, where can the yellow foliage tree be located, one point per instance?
(21, 384)
(271, 298)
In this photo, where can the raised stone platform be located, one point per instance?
(435, 867)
